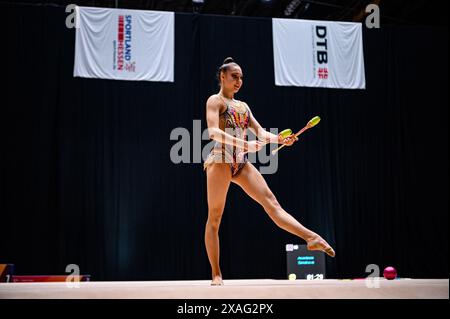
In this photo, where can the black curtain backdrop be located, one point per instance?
(86, 176)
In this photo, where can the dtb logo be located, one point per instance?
(322, 52)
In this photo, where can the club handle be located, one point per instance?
(275, 151)
(296, 135)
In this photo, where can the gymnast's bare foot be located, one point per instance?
(318, 243)
(217, 281)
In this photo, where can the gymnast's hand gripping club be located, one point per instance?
(313, 122)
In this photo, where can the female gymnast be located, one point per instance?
(227, 120)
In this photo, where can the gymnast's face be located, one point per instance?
(232, 78)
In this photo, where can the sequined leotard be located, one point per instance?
(234, 123)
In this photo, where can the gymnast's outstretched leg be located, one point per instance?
(253, 183)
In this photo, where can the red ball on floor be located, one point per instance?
(390, 273)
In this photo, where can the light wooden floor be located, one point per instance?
(233, 289)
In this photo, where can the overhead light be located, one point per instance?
(197, 5)
(266, 2)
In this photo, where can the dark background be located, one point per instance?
(396, 12)
(86, 176)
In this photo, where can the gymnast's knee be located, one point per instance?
(214, 218)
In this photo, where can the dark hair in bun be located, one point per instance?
(228, 60)
(224, 67)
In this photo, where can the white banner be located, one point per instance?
(318, 54)
(124, 44)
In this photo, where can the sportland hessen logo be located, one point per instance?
(123, 45)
